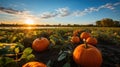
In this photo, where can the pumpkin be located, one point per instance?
(88, 56)
(76, 32)
(34, 64)
(40, 44)
(91, 40)
(75, 39)
(85, 35)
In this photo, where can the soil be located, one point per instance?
(110, 54)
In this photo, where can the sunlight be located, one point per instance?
(29, 21)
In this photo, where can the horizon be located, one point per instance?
(57, 11)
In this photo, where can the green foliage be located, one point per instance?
(62, 56)
(66, 65)
(27, 54)
(5, 60)
(59, 39)
(107, 22)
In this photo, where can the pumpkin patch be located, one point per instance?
(59, 48)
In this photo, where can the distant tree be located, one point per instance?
(107, 22)
(98, 23)
(116, 23)
(76, 25)
(69, 25)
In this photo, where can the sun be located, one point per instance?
(29, 21)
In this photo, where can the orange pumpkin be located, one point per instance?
(75, 39)
(87, 57)
(76, 32)
(40, 44)
(91, 40)
(85, 35)
(34, 64)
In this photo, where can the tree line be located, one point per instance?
(107, 22)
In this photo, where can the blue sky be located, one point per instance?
(58, 11)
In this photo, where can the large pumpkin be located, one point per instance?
(40, 44)
(75, 39)
(34, 64)
(85, 35)
(91, 40)
(87, 57)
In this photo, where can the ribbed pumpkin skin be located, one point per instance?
(90, 57)
(40, 44)
(91, 40)
(75, 39)
(34, 64)
(85, 35)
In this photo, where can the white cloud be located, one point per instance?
(115, 4)
(48, 15)
(63, 12)
(60, 12)
(79, 13)
(93, 9)
(108, 5)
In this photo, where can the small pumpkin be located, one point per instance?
(75, 39)
(85, 35)
(91, 40)
(76, 32)
(34, 64)
(88, 56)
(40, 44)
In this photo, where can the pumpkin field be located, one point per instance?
(60, 47)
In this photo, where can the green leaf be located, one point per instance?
(8, 60)
(60, 52)
(62, 56)
(66, 65)
(52, 41)
(27, 54)
(17, 50)
(13, 39)
(1, 62)
(5, 60)
(31, 56)
(20, 46)
(27, 51)
(48, 63)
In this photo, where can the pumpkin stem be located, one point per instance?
(86, 46)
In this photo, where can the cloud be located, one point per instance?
(9, 10)
(47, 15)
(60, 12)
(63, 12)
(108, 5)
(17, 13)
(95, 9)
(115, 4)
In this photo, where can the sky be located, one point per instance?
(58, 11)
